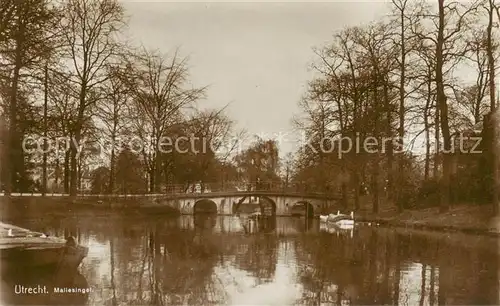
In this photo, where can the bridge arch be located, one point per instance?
(303, 208)
(267, 206)
(205, 206)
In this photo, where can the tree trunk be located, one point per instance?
(343, 188)
(343, 166)
(75, 143)
(73, 185)
(390, 149)
(491, 70)
(151, 180)
(402, 109)
(45, 102)
(375, 186)
(56, 174)
(376, 167)
(80, 174)
(111, 185)
(427, 147)
(427, 128)
(158, 185)
(157, 180)
(443, 109)
(67, 170)
(437, 145)
(13, 149)
(356, 190)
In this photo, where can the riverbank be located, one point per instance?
(15, 207)
(463, 218)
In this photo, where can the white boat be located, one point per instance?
(341, 220)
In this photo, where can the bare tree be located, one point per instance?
(491, 8)
(376, 43)
(472, 98)
(92, 27)
(445, 36)
(161, 92)
(404, 17)
(214, 129)
(61, 94)
(112, 113)
(448, 25)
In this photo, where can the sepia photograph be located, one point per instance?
(157, 152)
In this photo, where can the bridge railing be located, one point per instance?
(199, 188)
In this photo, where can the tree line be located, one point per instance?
(68, 71)
(422, 75)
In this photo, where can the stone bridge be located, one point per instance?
(279, 203)
(228, 203)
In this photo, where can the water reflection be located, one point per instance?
(334, 229)
(61, 288)
(263, 224)
(205, 221)
(210, 259)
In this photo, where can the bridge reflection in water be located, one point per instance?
(207, 259)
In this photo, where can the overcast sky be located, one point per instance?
(254, 56)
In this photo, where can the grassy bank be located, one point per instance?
(19, 207)
(462, 218)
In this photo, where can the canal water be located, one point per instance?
(227, 260)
